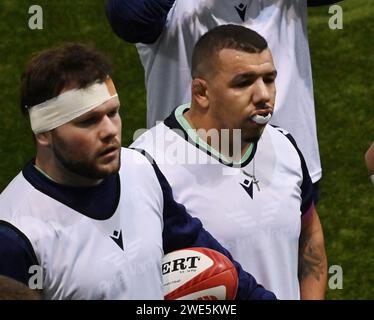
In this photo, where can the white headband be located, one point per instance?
(69, 105)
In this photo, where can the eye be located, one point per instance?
(244, 83)
(270, 77)
(113, 113)
(88, 122)
(269, 80)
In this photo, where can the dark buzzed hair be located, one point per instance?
(51, 70)
(227, 36)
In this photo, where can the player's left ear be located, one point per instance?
(44, 139)
(200, 92)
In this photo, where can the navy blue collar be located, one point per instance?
(97, 202)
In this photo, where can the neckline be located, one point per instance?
(182, 123)
(98, 202)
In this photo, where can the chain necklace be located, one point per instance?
(253, 175)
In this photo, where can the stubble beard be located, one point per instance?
(84, 168)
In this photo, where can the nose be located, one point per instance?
(109, 128)
(261, 93)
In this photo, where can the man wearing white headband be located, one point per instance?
(87, 219)
(63, 227)
(245, 180)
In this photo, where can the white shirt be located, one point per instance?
(260, 227)
(282, 23)
(78, 254)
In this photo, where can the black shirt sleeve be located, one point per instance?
(16, 253)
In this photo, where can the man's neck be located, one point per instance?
(225, 144)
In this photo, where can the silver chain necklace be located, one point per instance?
(253, 176)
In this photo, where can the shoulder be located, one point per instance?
(139, 169)
(29, 211)
(16, 196)
(148, 137)
(24, 205)
(284, 136)
(136, 166)
(140, 180)
(130, 157)
(277, 131)
(156, 141)
(286, 148)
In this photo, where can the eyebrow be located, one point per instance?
(94, 113)
(273, 73)
(252, 75)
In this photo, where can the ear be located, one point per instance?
(44, 139)
(200, 92)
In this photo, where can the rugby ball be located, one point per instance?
(198, 274)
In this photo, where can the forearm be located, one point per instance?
(369, 159)
(138, 20)
(312, 261)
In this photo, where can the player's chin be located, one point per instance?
(105, 169)
(254, 135)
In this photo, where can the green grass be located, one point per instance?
(343, 64)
